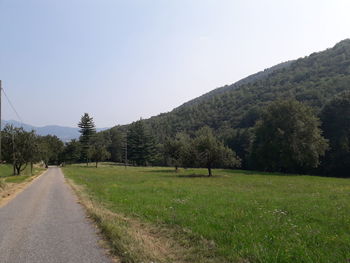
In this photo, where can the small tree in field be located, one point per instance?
(213, 153)
(87, 131)
(98, 150)
(173, 148)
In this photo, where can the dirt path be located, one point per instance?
(44, 223)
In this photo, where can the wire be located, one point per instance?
(13, 108)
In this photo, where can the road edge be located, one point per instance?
(12, 192)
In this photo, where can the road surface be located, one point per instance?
(45, 224)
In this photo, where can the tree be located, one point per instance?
(98, 149)
(240, 140)
(116, 146)
(188, 154)
(51, 149)
(213, 153)
(335, 118)
(173, 148)
(18, 147)
(141, 145)
(288, 138)
(35, 155)
(72, 151)
(87, 131)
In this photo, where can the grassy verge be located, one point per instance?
(233, 217)
(9, 184)
(6, 170)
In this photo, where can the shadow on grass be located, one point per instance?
(172, 171)
(176, 175)
(252, 172)
(195, 176)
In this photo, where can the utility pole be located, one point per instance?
(0, 121)
(13, 152)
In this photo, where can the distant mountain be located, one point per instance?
(64, 133)
(313, 80)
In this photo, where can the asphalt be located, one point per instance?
(45, 224)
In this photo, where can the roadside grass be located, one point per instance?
(6, 171)
(10, 184)
(235, 216)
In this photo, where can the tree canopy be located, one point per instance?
(336, 126)
(288, 138)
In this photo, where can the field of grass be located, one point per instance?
(241, 216)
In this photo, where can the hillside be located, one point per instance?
(314, 80)
(254, 77)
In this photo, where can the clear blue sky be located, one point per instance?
(122, 60)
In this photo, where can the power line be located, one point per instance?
(13, 108)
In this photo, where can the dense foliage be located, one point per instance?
(336, 126)
(288, 139)
(21, 148)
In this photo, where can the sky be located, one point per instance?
(121, 61)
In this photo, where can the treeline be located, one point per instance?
(21, 148)
(287, 136)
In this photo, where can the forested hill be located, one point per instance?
(314, 80)
(254, 77)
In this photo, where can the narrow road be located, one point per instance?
(45, 224)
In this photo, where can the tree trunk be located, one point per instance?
(209, 171)
(31, 168)
(176, 168)
(18, 168)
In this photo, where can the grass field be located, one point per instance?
(235, 216)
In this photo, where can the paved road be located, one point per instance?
(45, 224)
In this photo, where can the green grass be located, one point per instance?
(248, 217)
(6, 171)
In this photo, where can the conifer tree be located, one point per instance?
(87, 130)
(141, 145)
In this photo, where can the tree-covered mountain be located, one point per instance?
(313, 80)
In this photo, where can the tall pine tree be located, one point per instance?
(87, 130)
(141, 145)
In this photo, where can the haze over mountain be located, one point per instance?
(62, 132)
(313, 80)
